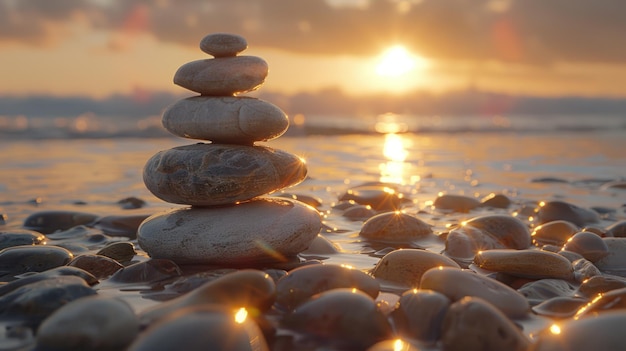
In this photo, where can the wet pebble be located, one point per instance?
(554, 233)
(310, 200)
(419, 314)
(47, 222)
(456, 284)
(548, 180)
(204, 327)
(615, 261)
(584, 269)
(150, 271)
(560, 210)
(90, 323)
(494, 200)
(405, 267)
(255, 290)
(395, 227)
(588, 244)
(378, 197)
(17, 237)
(32, 303)
(17, 260)
(610, 300)
(122, 252)
(130, 203)
(600, 284)
(541, 290)
(456, 203)
(343, 318)
(560, 306)
(569, 255)
(486, 233)
(301, 283)
(535, 264)
(602, 332)
(124, 226)
(358, 212)
(321, 246)
(474, 324)
(99, 266)
(617, 229)
(29, 278)
(72, 234)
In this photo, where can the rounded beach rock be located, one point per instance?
(93, 323)
(419, 314)
(486, 233)
(456, 203)
(534, 264)
(219, 174)
(406, 266)
(303, 282)
(554, 233)
(16, 260)
(474, 324)
(206, 327)
(348, 317)
(225, 119)
(223, 44)
(394, 226)
(456, 284)
(248, 288)
(589, 245)
(560, 210)
(222, 76)
(263, 229)
(604, 331)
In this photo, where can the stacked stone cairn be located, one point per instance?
(230, 219)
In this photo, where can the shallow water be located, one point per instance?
(93, 175)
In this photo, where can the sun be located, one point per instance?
(397, 61)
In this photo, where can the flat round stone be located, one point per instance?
(220, 174)
(456, 284)
(225, 119)
(222, 76)
(264, 229)
(223, 44)
(533, 264)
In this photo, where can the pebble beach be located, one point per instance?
(388, 236)
(103, 178)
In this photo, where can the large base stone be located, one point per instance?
(260, 230)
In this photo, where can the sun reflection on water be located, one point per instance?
(395, 169)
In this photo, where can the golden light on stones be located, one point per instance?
(555, 329)
(399, 345)
(241, 315)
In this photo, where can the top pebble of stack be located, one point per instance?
(223, 45)
(226, 74)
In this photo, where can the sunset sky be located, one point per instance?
(97, 48)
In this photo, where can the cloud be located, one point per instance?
(524, 31)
